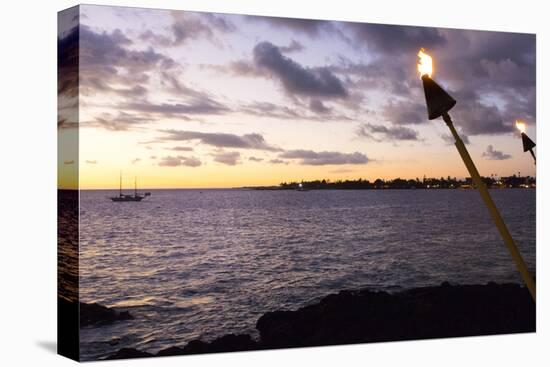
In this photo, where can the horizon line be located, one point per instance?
(276, 185)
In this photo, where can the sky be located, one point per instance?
(187, 100)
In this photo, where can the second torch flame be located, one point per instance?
(521, 126)
(425, 64)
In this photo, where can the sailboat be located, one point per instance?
(125, 197)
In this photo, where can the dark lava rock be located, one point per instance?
(374, 316)
(95, 314)
(226, 343)
(421, 313)
(195, 347)
(232, 342)
(171, 351)
(124, 353)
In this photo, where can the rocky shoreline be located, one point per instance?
(93, 314)
(366, 316)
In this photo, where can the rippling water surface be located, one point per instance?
(203, 263)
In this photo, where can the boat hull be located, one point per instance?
(130, 198)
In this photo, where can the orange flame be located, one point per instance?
(521, 125)
(425, 63)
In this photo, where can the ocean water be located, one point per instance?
(203, 263)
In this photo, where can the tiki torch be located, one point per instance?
(439, 102)
(528, 144)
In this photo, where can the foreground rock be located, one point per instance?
(370, 316)
(226, 343)
(421, 313)
(94, 314)
(125, 353)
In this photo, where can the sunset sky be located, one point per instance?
(182, 99)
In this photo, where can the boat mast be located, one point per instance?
(120, 185)
(135, 186)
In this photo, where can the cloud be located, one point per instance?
(206, 107)
(277, 161)
(170, 161)
(121, 122)
(91, 161)
(493, 154)
(108, 59)
(68, 162)
(236, 68)
(388, 74)
(181, 149)
(449, 139)
(96, 85)
(297, 112)
(405, 112)
(187, 26)
(192, 101)
(110, 63)
(171, 82)
(492, 59)
(220, 140)
(491, 74)
(295, 78)
(136, 160)
(397, 39)
(67, 63)
(480, 117)
(381, 133)
(63, 123)
(477, 118)
(294, 46)
(228, 158)
(309, 157)
(268, 109)
(219, 22)
(310, 27)
(317, 106)
(255, 159)
(68, 74)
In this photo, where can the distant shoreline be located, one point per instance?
(276, 188)
(511, 182)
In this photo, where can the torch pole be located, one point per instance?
(533, 154)
(482, 188)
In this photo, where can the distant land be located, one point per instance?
(402, 184)
(493, 182)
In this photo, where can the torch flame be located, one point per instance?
(521, 126)
(425, 65)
